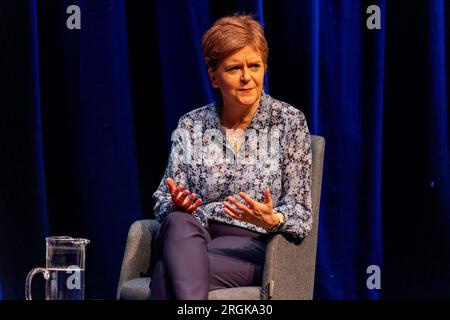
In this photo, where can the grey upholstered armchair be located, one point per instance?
(288, 271)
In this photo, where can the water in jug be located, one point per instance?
(64, 271)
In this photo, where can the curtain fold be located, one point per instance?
(180, 54)
(23, 206)
(109, 182)
(439, 133)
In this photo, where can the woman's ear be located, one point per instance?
(213, 79)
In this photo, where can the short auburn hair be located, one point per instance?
(232, 33)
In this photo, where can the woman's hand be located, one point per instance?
(181, 199)
(257, 213)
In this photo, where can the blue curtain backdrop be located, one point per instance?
(86, 118)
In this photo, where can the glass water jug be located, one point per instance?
(64, 271)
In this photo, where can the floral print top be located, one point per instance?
(275, 153)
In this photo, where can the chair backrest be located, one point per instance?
(318, 153)
(290, 267)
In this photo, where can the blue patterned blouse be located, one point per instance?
(275, 153)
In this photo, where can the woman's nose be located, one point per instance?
(245, 75)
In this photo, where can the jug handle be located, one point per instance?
(30, 278)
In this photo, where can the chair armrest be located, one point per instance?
(289, 269)
(136, 259)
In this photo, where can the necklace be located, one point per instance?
(235, 137)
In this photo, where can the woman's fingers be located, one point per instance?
(267, 196)
(179, 189)
(231, 214)
(182, 196)
(170, 184)
(188, 200)
(237, 203)
(233, 210)
(176, 192)
(194, 206)
(247, 199)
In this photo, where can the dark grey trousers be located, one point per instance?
(194, 260)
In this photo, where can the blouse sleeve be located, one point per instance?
(295, 200)
(177, 169)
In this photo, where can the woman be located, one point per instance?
(239, 171)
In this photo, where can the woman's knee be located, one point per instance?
(179, 223)
(178, 217)
(231, 272)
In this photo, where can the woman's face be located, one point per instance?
(240, 77)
